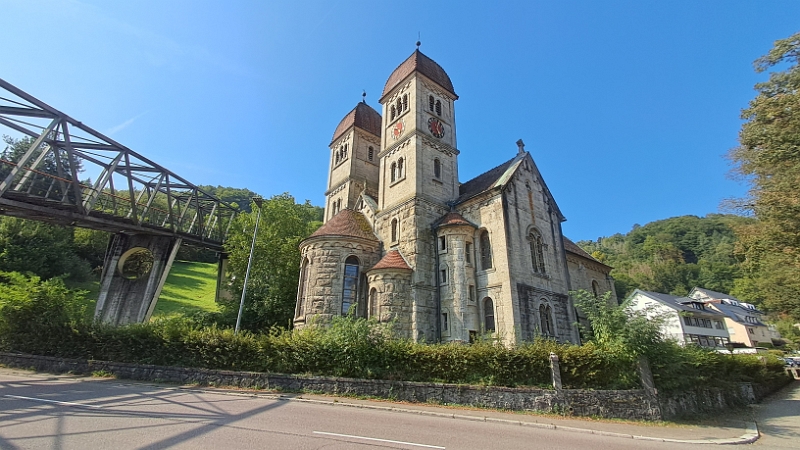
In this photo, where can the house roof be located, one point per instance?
(677, 303)
(737, 313)
(362, 116)
(714, 295)
(453, 218)
(347, 223)
(418, 62)
(392, 260)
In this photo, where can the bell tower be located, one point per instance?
(419, 157)
(355, 149)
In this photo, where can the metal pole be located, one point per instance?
(257, 201)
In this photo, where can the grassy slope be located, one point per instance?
(190, 287)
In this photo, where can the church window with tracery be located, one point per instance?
(438, 108)
(350, 286)
(394, 172)
(486, 251)
(405, 102)
(431, 102)
(400, 168)
(394, 112)
(537, 251)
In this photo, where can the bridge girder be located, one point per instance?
(130, 194)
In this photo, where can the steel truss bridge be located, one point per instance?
(129, 194)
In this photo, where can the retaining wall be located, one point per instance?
(623, 404)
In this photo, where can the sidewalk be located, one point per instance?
(778, 419)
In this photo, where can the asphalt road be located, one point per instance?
(39, 411)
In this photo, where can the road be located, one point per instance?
(779, 420)
(39, 411)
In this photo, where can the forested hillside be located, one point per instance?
(673, 255)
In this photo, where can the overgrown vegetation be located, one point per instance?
(45, 318)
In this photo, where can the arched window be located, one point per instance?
(371, 153)
(486, 251)
(394, 112)
(394, 171)
(430, 102)
(438, 108)
(405, 102)
(350, 284)
(437, 168)
(488, 314)
(394, 230)
(595, 289)
(301, 289)
(373, 302)
(546, 320)
(400, 168)
(537, 251)
(399, 106)
(344, 151)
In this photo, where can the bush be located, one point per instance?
(45, 318)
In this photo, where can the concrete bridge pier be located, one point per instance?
(135, 269)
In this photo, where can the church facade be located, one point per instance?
(405, 241)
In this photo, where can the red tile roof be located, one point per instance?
(392, 260)
(418, 62)
(347, 223)
(362, 116)
(453, 218)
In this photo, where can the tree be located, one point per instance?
(768, 157)
(39, 248)
(272, 287)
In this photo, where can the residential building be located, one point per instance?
(685, 320)
(743, 320)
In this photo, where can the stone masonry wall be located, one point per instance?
(632, 404)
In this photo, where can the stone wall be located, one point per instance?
(632, 404)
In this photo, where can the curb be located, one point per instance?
(751, 434)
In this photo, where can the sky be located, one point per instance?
(627, 107)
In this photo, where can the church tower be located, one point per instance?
(418, 179)
(355, 150)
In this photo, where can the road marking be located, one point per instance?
(379, 440)
(51, 401)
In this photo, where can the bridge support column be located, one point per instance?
(224, 293)
(135, 269)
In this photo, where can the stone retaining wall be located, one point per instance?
(633, 404)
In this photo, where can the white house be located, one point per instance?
(687, 320)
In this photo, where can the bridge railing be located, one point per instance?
(40, 176)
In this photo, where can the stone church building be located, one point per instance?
(405, 241)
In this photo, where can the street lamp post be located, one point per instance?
(257, 201)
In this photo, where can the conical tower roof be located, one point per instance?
(418, 62)
(362, 116)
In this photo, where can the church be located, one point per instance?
(404, 241)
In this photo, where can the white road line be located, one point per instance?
(51, 401)
(379, 440)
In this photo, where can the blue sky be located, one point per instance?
(628, 108)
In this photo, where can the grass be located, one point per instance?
(190, 287)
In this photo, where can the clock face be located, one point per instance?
(398, 128)
(436, 126)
